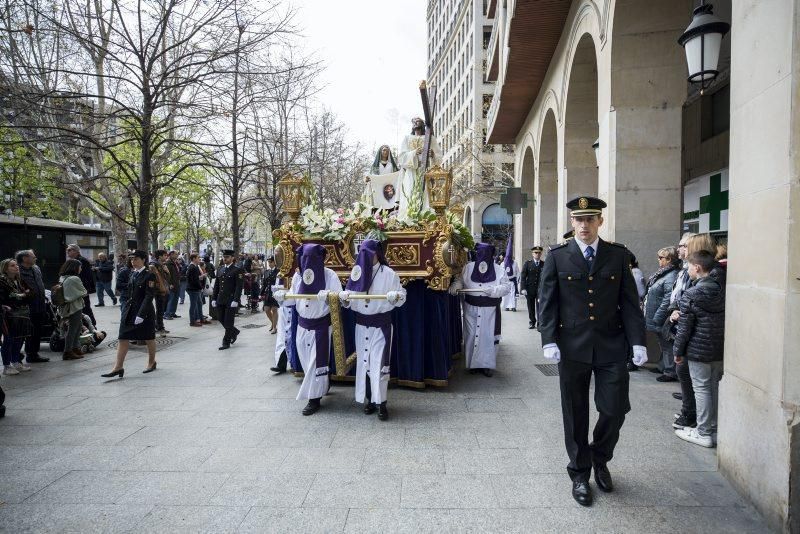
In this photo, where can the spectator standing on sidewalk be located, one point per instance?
(183, 265)
(104, 274)
(700, 340)
(159, 269)
(32, 276)
(123, 279)
(14, 297)
(195, 282)
(86, 276)
(174, 281)
(72, 310)
(211, 273)
(656, 308)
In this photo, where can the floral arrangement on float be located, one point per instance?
(426, 244)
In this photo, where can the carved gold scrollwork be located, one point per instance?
(403, 254)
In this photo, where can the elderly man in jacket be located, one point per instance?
(32, 276)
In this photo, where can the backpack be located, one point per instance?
(161, 286)
(57, 295)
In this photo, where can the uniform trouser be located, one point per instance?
(530, 298)
(611, 400)
(226, 316)
(34, 341)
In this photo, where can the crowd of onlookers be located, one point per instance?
(684, 309)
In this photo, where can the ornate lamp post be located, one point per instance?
(438, 183)
(702, 41)
(291, 191)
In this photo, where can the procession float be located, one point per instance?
(426, 247)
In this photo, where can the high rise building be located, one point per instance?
(459, 35)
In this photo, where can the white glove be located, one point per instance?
(393, 297)
(280, 295)
(455, 286)
(234, 304)
(344, 296)
(322, 296)
(213, 303)
(552, 352)
(525, 292)
(138, 320)
(639, 355)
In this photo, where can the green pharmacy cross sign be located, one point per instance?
(714, 203)
(513, 200)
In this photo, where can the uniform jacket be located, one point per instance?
(228, 285)
(529, 279)
(593, 316)
(141, 292)
(701, 328)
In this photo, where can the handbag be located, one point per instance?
(207, 290)
(19, 322)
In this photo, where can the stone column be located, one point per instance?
(759, 421)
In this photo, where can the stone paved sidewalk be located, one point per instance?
(212, 442)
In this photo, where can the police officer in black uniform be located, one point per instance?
(529, 281)
(227, 292)
(589, 316)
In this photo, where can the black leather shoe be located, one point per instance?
(632, 367)
(603, 478)
(666, 378)
(235, 335)
(277, 370)
(312, 407)
(677, 396)
(487, 372)
(369, 408)
(383, 412)
(225, 346)
(531, 326)
(656, 371)
(35, 358)
(2, 411)
(581, 492)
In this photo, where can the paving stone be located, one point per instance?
(306, 520)
(448, 491)
(196, 519)
(167, 458)
(89, 487)
(18, 485)
(403, 461)
(170, 488)
(41, 517)
(354, 491)
(323, 460)
(263, 489)
(253, 459)
(484, 461)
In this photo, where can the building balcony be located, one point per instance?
(493, 54)
(531, 35)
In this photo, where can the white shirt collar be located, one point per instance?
(583, 245)
(137, 271)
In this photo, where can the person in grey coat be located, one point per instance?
(656, 308)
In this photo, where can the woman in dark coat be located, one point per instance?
(270, 304)
(139, 316)
(15, 296)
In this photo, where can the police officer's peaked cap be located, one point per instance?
(537, 248)
(227, 252)
(581, 206)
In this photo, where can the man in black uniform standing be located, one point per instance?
(589, 316)
(227, 291)
(529, 281)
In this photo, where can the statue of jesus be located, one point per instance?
(412, 174)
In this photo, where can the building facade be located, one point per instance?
(458, 37)
(594, 96)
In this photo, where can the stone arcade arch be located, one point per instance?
(547, 202)
(526, 234)
(580, 124)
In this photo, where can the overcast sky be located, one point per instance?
(375, 52)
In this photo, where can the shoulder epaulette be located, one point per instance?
(620, 245)
(559, 245)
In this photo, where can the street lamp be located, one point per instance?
(702, 41)
(596, 147)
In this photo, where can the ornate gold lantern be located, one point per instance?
(438, 183)
(291, 191)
